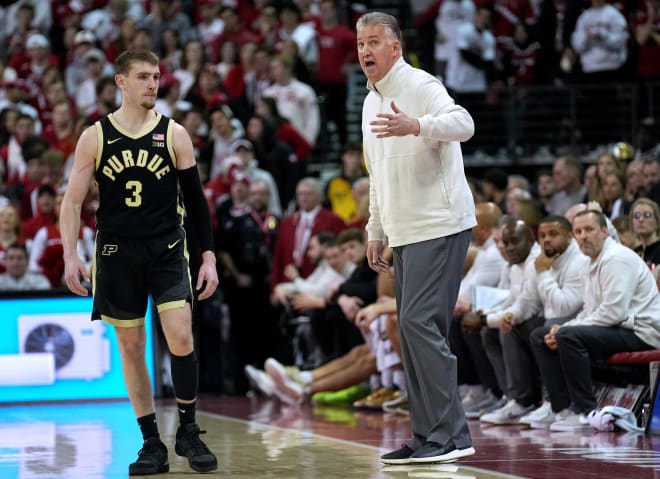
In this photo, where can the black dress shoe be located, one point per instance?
(398, 456)
(434, 452)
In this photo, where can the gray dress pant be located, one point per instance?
(521, 370)
(427, 278)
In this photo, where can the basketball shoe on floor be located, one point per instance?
(286, 389)
(188, 444)
(260, 379)
(342, 397)
(152, 459)
(510, 413)
(398, 405)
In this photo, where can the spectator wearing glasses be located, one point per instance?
(645, 224)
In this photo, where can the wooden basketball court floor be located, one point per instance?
(254, 437)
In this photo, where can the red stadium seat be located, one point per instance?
(636, 357)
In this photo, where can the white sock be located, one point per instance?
(386, 378)
(399, 378)
(374, 382)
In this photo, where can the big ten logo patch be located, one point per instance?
(158, 140)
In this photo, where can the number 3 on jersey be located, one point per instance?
(135, 188)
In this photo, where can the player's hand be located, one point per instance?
(74, 269)
(207, 277)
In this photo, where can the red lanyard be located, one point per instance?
(266, 225)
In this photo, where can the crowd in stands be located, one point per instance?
(244, 79)
(525, 42)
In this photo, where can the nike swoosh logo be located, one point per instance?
(172, 245)
(110, 142)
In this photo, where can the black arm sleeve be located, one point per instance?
(196, 206)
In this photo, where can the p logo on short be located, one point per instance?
(108, 249)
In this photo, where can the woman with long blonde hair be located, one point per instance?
(606, 164)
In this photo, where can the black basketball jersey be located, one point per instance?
(138, 184)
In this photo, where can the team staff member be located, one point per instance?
(421, 202)
(142, 161)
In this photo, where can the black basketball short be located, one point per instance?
(128, 270)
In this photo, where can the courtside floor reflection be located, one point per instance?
(99, 440)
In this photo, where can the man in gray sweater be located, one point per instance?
(621, 313)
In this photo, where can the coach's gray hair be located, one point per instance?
(388, 22)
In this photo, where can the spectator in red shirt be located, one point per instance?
(234, 31)
(507, 14)
(266, 26)
(127, 31)
(31, 64)
(47, 252)
(53, 92)
(336, 54)
(284, 130)
(11, 154)
(60, 134)
(45, 213)
(519, 58)
(240, 82)
(22, 184)
(647, 34)
(207, 90)
(296, 229)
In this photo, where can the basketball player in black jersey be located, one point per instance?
(143, 162)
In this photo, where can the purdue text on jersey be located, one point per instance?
(155, 164)
(137, 179)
